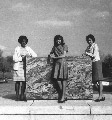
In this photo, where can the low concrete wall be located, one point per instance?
(79, 83)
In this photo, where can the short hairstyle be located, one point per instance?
(90, 36)
(58, 37)
(21, 39)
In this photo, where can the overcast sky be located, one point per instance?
(41, 20)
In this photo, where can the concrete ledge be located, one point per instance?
(47, 108)
(51, 107)
(102, 107)
(51, 110)
(15, 117)
(101, 110)
(61, 117)
(79, 110)
(8, 110)
(55, 117)
(59, 110)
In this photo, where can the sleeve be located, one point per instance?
(16, 56)
(66, 48)
(32, 53)
(95, 50)
(87, 49)
(52, 51)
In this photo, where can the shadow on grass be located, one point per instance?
(106, 90)
(10, 96)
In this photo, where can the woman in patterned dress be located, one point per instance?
(60, 73)
(19, 58)
(97, 76)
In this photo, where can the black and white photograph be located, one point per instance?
(55, 59)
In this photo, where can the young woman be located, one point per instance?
(60, 74)
(19, 58)
(93, 52)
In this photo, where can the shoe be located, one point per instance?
(102, 99)
(17, 98)
(23, 98)
(97, 100)
(63, 101)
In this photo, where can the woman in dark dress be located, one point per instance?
(93, 52)
(60, 73)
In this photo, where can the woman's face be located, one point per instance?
(58, 41)
(23, 43)
(90, 42)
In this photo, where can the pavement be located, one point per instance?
(50, 109)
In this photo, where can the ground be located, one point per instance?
(7, 90)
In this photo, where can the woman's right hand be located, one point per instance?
(52, 56)
(23, 57)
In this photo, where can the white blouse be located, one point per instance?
(93, 51)
(17, 56)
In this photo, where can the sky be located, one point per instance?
(41, 20)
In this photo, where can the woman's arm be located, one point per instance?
(61, 56)
(52, 53)
(89, 54)
(96, 50)
(32, 53)
(65, 47)
(16, 56)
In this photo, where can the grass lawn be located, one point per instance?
(8, 75)
(7, 89)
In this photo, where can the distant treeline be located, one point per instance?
(107, 66)
(6, 64)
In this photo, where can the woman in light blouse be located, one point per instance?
(19, 58)
(93, 52)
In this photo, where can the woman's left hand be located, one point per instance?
(62, 56)
(27, 55)
(52, 56)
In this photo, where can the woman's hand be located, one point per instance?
(23, 56)
(27, 55)
(52, 56)
(61, 56)
(86, 53)
(90, 55)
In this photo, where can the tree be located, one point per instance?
(6, 63)
(107, 66)
(1, 62)
(1, 52)
(9, 63)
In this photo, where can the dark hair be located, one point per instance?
(58, 37)
(90, 36)
(21, 39)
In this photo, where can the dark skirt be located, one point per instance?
(97, 74)
(60, 71)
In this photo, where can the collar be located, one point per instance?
(93, 45)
